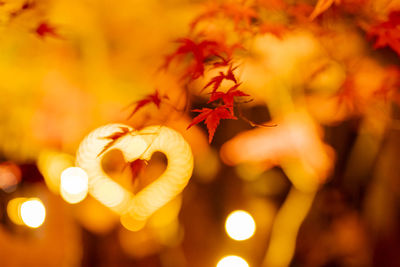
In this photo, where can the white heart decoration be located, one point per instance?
(136, 145)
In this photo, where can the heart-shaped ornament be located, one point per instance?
(136, 145)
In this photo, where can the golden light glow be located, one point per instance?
(33, 212)
(170, 234)
(95, 217)
(232, 261)
(74, 184)
(240, 225)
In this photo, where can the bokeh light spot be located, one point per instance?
(232, 261)
(240, 225)
(74, 184)
(33, 212)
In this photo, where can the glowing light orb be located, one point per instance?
(74, 184)
(232, 261)
(33, 213)
(240, 225)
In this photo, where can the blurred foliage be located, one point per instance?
(313, 154)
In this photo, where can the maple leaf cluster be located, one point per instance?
(214, 54)
(212, 117)
(199, 53)
(207, 54)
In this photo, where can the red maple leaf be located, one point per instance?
(217, 80)
(44, 29)
(200, 52)
(211, 118)
(228, 97)
(152, 98)
(225, 54)
(224, 61)
(114, 137)
(137, 167)
(387, 33)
